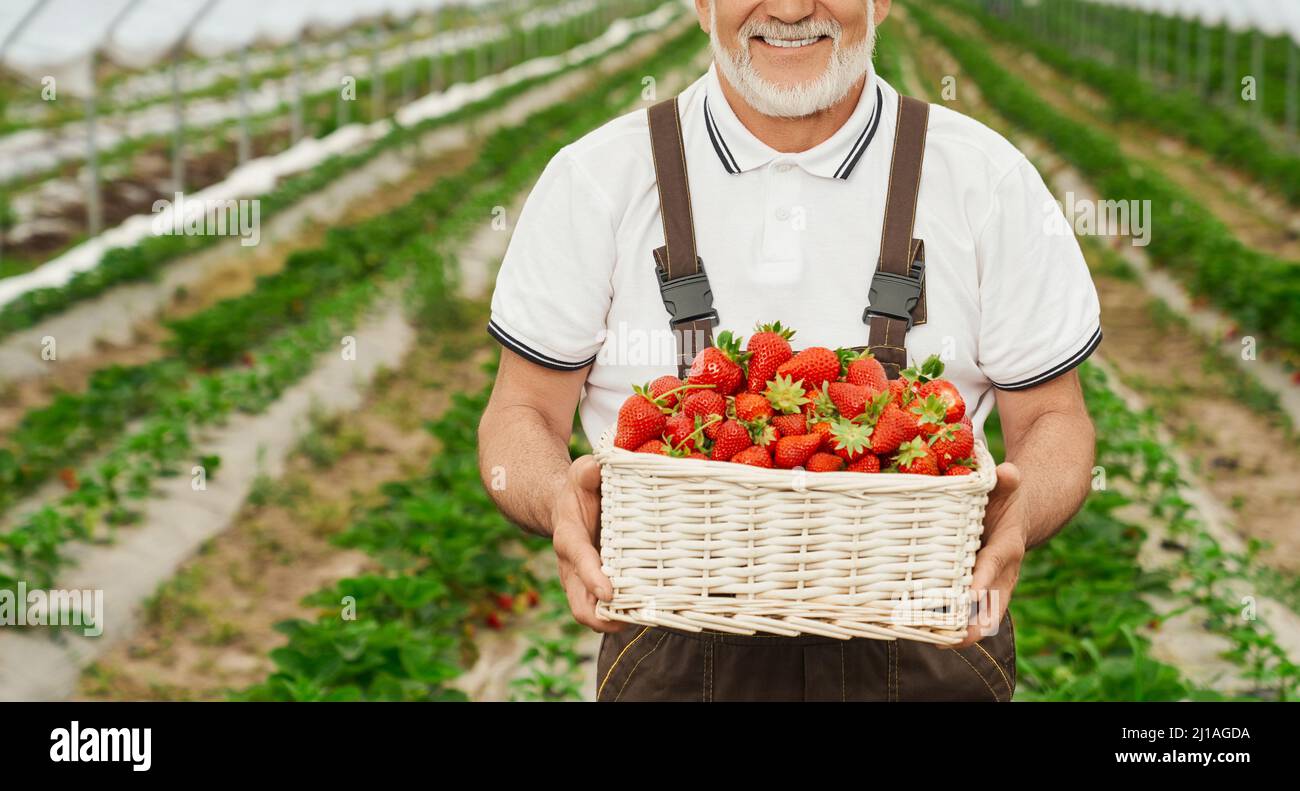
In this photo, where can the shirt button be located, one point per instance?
(783, 214)
(784, 168)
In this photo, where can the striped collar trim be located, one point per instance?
(739, 151)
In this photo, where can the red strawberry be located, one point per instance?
(732, 437)
(753, 456)
(505, 601)
(762, 433)
(653, 446)
(824, 429)
(640, 419)
(947, 393)
(768, 348)
(825, 462)
(916, 458)
(901, 391)
(849, 399)
(958, 469)
(785, 395)
(720, 365)
(69, 478)
(752, 406)
(893, 428)
(953, 442)
(928, 415)
(795, 451)
(814, 366)
(849, 440)
(682, 432)
(494, 621)
(789, 425)
(706, 405)
(868, 372)
(662, 388)
(534, 598)
(868, 463)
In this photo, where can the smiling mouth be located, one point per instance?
(790, 43)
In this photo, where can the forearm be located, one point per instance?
(1055, 457)
(523, 463)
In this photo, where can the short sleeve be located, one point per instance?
(1039, 312)
(554, 288)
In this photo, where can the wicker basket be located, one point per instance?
(692, 544)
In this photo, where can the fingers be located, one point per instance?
(1009, 478)
(585, 474)
(990, 563)
(574, 548)
(583, 605)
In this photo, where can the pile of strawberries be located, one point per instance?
(821, 409)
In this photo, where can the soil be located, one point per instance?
(210, 629)
(146, 177)
(1165, 363)
(1258, 216)
(238, 277)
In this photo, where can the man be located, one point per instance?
(788, 140)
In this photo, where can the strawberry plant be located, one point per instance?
(1223, 135)
(1191, 242)
(145, 260)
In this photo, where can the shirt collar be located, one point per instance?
(739, 150)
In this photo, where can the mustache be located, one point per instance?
(807, 28)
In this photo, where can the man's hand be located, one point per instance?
(575, 520)
(997, 566)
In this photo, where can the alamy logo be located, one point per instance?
(93, 745)
(84, 608)
(203, 217)
(1112, 218)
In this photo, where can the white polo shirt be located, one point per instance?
(795, 238)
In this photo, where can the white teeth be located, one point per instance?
(782, 42)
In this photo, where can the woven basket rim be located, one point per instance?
(981, 481)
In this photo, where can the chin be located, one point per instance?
(791, 72)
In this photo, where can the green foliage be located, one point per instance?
(1225, 136)
(1189, 240)
(1079, 606)
(443, 544)
(145, 260)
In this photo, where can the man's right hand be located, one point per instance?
(575, 521)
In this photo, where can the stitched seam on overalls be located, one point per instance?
(662, 637)
(707, 693)
(981, 675)
(681, 149)
(891, 672)
(1011, 629)
(663, 210)
(844, 692)
(618, 659)
(1002, 672)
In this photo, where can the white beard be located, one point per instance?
(843, 71)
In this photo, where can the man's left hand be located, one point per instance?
(997, 566)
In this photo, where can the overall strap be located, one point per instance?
(682, 282)
(897, 299)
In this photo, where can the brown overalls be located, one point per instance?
(657, 663)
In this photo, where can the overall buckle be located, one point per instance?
(895, 296)
(688, 298)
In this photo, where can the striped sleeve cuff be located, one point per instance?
(1065, 366)
(527, 352)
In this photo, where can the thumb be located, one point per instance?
(1009, 478)
(585, 473)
